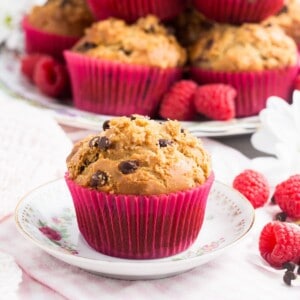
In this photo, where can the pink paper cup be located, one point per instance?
(114, 88)
(140, 227)
(38, 41)
(253, 88)
(238, 11)
(131, 10)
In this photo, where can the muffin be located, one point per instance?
(121, 69)
(288, 19)
(190, 25)
(131, 10)
(259, 61)
(238, 11)
(55, 26)
(139, 187)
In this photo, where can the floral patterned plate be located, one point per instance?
(20, 88)
(47, 218)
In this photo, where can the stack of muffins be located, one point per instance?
(122, 56)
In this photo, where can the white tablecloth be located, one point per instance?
(33, 150)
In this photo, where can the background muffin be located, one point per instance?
(259, 61)
(150, 176)
(141, 59)
(189, 26)
(288, 18)
(55, 26)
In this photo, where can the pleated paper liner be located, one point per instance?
(238, 11)
(140, 227)
(114, 88)
(39, 41)
(131, 10)
(254, 88)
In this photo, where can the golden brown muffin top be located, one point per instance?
(249, 47)
(145, 42)
(288, 19)
(135, 155)
(65, 17)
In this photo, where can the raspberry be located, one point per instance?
(28, 64)
(254, 186)
(51, 77)
(216, 101)
(280, 243)
(287, 196)
(297, 83)
(177, 104)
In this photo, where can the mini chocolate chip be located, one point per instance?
(129, 166)
(283, 10)
(104, 143)
(289, 266)
(94, 142)
(164, 143)
(81, 169)
(105, 125)
(150, 29)
(209, 44)
(132, 117)
(273, 201)
(281, 216)
(125, 51)
(268, 25)
(86, 46)
(101, 143)
(182, 130)
(288, 277)
(99, 179)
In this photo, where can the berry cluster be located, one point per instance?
(279, 241)
(49, 75)
(185, 99)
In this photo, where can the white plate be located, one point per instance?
(20, 87)
(228, 219)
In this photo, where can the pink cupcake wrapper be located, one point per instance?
(114, 88)
(131, 10)
(238, 11)
(253, 88)
(38, 41)
(140, 227)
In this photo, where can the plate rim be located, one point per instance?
(72, 116)
(127, 262)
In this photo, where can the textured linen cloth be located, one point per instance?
(33, 150)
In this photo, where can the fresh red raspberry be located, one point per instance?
(297, 83)
(28, 64)
(216, 101)
(51, 77)
(254, 186)
(177, 104)
(287, 196)
(279, 242)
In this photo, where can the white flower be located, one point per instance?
(11, 14)
(279, 135)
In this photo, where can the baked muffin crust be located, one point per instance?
(136, 155)
(288, 19)
(64, 17)
(145, 42)
(249, 47)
